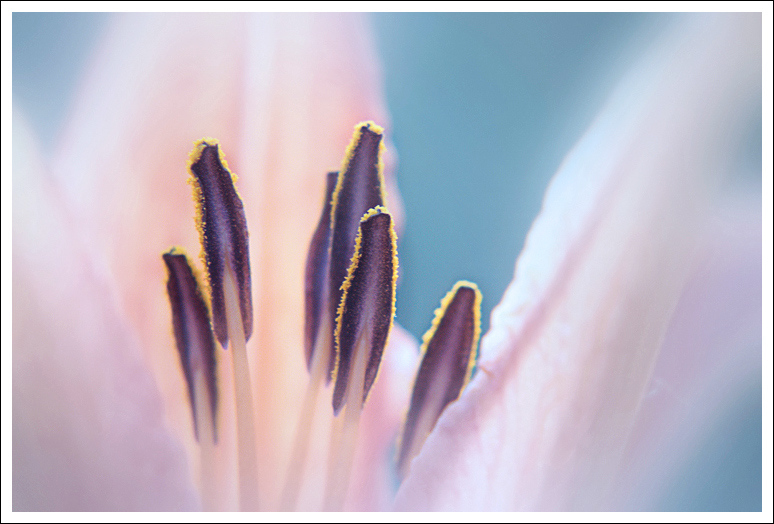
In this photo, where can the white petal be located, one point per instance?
(573, 343)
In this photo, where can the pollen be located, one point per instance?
(193, 334)
(367, 308)
(448, 357)
(350, 284)
(359, 187)
(316, 274)
(220, 219)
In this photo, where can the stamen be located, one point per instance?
(360, 187)
(196, 345)
(316, 276)
(223, 231)
(350, 285)
(363, 324)
(220, 219)
(316, 295)
(449, 355)
(367, 306)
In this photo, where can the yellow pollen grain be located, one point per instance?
(428, 336)
(378, 210)
(199, 277)
(198, 197)
(441, 311)
(349, 153)
(394, 248)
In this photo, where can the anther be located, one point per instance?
(196, 346)
(359, 187)
(193, 334)
(448, 358)
(223, 232)
(363, 324)
(220, 218)
(367, 307)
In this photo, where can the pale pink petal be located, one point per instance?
(374, 478)
(310, 79)
(88, 430)
(711, 354)
(158, 83)
(568, 359)
(283, 94)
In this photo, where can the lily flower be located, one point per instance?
(561, 414)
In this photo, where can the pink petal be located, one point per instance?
(573, 344)
(88, 431)
(711, 354)
(310, 79)
(154, 87)
(373, 481)
(282, 93)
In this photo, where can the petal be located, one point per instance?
(281, 93)
(310, 79)
(88, 431)
(153, 88)
(572, 345)
(374, 479)
(711, 354)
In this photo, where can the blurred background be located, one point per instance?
(484, 107)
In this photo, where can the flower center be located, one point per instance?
(350, 282)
